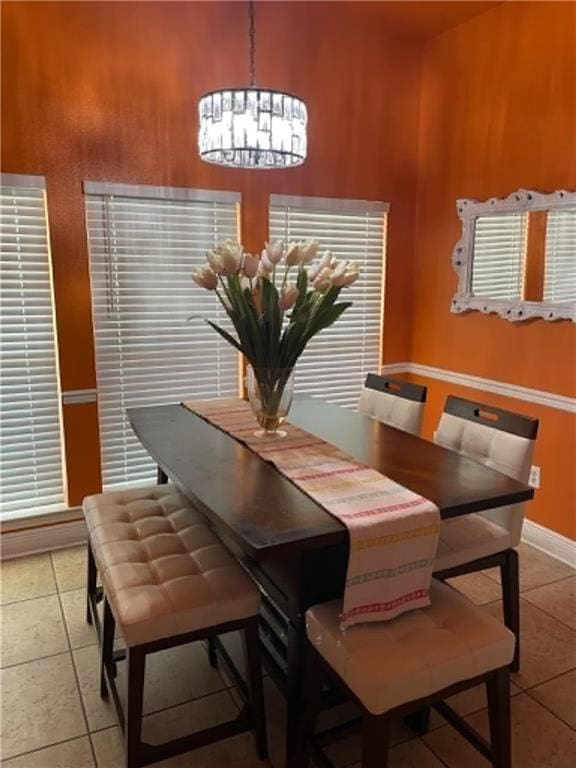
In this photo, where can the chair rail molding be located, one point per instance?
(514, 310)
(514, 391)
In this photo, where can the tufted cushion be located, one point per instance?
(467, 538)
(163, 570)
(387, 664)
(391, 409)
(507, 453)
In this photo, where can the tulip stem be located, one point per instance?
(285, 276)
(221, 300)
(225, 289)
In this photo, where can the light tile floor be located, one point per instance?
(53, 717)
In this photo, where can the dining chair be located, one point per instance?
(393, 401)
(397, 668)
(504, 441)
(167, 581)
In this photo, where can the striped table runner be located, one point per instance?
(393, 531)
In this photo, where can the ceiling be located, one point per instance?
(415, 19)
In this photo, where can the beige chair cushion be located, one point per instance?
(164, 572)
(390, 409)
(509, 454)
(387, 664)
(467, 538)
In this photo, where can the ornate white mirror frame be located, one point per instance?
(522, 201)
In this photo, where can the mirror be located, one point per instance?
(517, 256)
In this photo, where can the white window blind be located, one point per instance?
(336, 362)
(31, 446)
(144, 243)
(560, 263)
(499, 255)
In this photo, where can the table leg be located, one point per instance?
(294, 681)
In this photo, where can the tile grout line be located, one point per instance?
(47, 746)
(438, 757)
(523, 591)
(167, 709)
(28, 599)
(536, 607)
(549, 615)
(38, 658)
(549, 584)
(548, 680)
(76, 678)
(433, 751)
(544, 706)
(520, 692)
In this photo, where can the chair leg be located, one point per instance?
(212, 655)
(509, 571)
(107, 649)
(253, 664)
(419, 722)
(498, 695)
(161, 477)
(309, 706)
(134, 703)
(375, 741)
(91, 577)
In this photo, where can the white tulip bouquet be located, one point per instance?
(276, 302)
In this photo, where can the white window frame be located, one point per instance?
(52, 399)
(522, 201)
(344, 206)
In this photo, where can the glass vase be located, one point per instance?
(270, 392)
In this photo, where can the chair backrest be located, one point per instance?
(497, 438)
(393, 401)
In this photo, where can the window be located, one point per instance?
(517, 256)
(499, 254)
(336, 362)
(560, 269)
(31, 437)
(144, 243)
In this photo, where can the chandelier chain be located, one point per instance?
(252, 49)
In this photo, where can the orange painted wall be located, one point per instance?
(109, 91)
(498, 113)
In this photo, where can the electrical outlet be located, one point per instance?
(534, 477)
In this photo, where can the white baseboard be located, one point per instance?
(550, 542)
(42, 538)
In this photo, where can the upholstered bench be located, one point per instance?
(137, 514)
(400, 667)
(130, 516)
(167, 580)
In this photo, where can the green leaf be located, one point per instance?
(302, 285)
(253, 328)
(225, 335)
(329, 317)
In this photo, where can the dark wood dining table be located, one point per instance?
(295, 550)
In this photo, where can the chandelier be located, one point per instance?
(252, 127)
